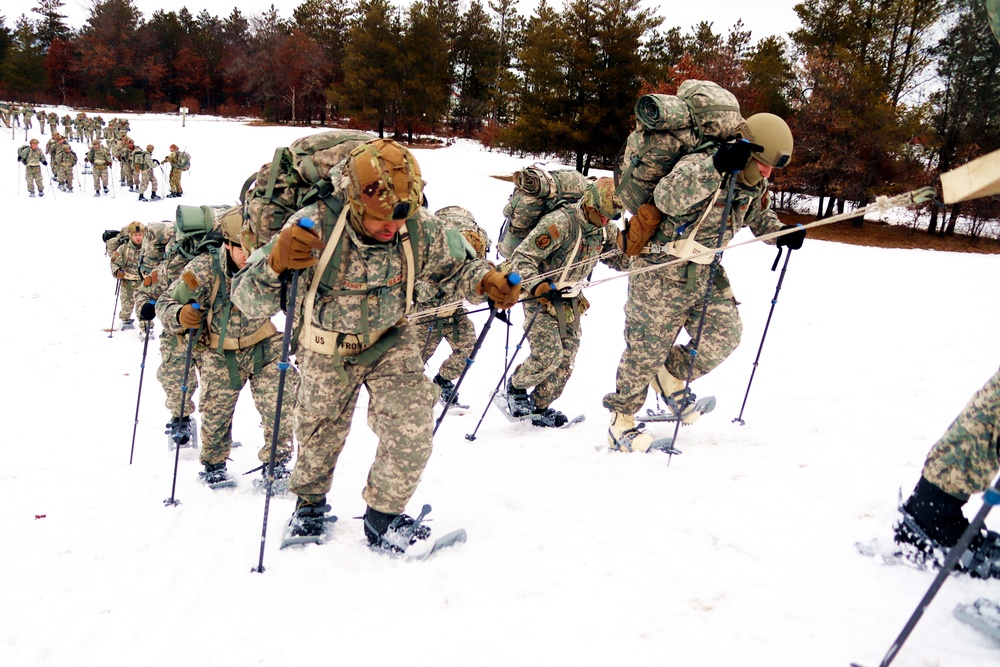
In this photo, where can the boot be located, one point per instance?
(520, 404)
(154, 197)
(97, 193)
(179, 430)
(394, 533)
(128, 324)
(105, 191)
(142, 197)
(625, 436)
(309, 519)
(679, 399)
(41, 193)
(31, 194)
(548, 417)
(448, 394)
(214, 473)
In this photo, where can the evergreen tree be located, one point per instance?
(23, 68)
(425, 94)
(477, 59)
(110, 59)
(52, 24)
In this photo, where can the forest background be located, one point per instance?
(882, 95)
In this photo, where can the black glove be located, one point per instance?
(148, 311)
(792, 241)
(45, 163)
(156, 163)
(735, 156)
(20, 160)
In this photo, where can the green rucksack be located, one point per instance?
(183, 160)
(22, 153)
(537, 192)
(700, 116)
(296, 176)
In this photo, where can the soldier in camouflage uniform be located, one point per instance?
(32, 158)
(53, 119)
(233, 350)
(689, 205)
(28, 112)
(173, 159)
(66, 160)
(352, 333)
(40, 115)
(15, 114)
(5, 113)
(143, 163)
(453, 324)
(67, 123)
(124, 155)
(124, 251)
(564, 246)
(964, 461)
(99, 158)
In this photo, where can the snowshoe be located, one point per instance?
(154, 197)
(31, 194)
(550, 418)
(128, 325)
(686, 410)
(310, 524)
(395, 533)
(142, 198)
(215, 476)
(448, 394)
(279, 485)
(983, 615)
(41, 194)
(183, 433)
(981, 558)
(502, 403)
(624, 435)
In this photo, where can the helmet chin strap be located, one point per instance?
(750, 176)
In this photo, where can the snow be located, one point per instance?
(740, 551)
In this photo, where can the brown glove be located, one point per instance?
(640, 228)
(119, 274)
(293, 249)
(150, 279)
(189, 317)
(497, 287)
(541, 290)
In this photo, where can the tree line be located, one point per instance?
(881, 94)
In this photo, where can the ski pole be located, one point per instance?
(774, 302)
(19, 178)
(531, 323)
(283, 366)
(49, 180)
(142, 372)
(990, 498)
(193, 335)
(118, 289)
(468, 363)
(716, 262)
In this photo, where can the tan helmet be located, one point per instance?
(383, 180)
(149, 148)
(173, 147)
(600, 195)
(33, 142)
(231, 224)
(135, 227)
(772, 133)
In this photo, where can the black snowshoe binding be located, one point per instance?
(448, 395)
(308, 520)
(682, 406)
(395, 533)
(279, 485)
(182, 433)
(521, 405)
(215, 476)
(549, 418)
(128, 324)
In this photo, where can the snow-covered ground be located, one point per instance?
(738, 552)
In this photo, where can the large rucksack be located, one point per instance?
(183, 160)
(537, 192)
(22, 153)
(701, 115)
(154, 245)
(297, 175)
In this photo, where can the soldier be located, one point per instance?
(99, 158)
(963, 462)
(688, 207)
(15, 114)
(28, 112)
(566, 244)
(351, 334)
(31, 156)
(40, 115)
(453, 325)
(51, 148)
(67, 123)
(143, 163)
(238, 349)
(125, 148)
(53, 119)
(124, 251)
(174, 158)
(5, 113)
(66, 159)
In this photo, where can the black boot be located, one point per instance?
(548, 417)
(448, 394)
(214, 473)
(153, 197)
(309, 518)
(394, 533)
(520, 404)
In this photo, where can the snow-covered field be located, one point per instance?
(738, 552)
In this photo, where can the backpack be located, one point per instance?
(296, 176)
(700, 116)
(22, 153)
(183, 160)
(154, 245)
(537, 192)
(138, 157)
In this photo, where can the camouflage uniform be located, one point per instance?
(170, 372)
(32, 169)
(5, 113)
(28, 112)
(561, 237)
(53, 119)
(967, 457)
(40, 115)
(233, 350)
(401, 396)
(65, 158)
(142, 162)
(124, 155)
(662, 302)
(99, 158)
(175, 173)
(124, 256)
(15, 114)
(67, 123)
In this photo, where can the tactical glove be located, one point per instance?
(147, 312)
(496, 285)
(189, 317)
(45, 162)
(150, 279)
(734, 157)
(546, 293)
(293, 249)
(119, 274)
(792, 241)
(640, 228)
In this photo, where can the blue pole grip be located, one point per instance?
(306, 223)
(514, 278)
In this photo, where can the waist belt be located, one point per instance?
(334, 343)
(265, 331)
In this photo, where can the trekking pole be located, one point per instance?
(142, 372)
(118, 289)
(716, 262)
(531, 323)
(283, 366)
(991, 498)
(193, 335)
(468, 363)
(774, 302)
(19, 178)
(48, 181)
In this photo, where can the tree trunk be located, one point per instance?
(952, 219)
(932, 225)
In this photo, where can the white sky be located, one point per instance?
(779, 18)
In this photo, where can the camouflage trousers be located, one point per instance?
(175, 181)
(127, 297)
(100, 176)
(460, 333)
(53, 128)
(259, 366)
(171, 375)
(27, 121)
(399, 412)
(128, 174)
(660, 304)
(550, 364)
(33, 175)
(148, 177)
(967, 457)
(65, 175)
